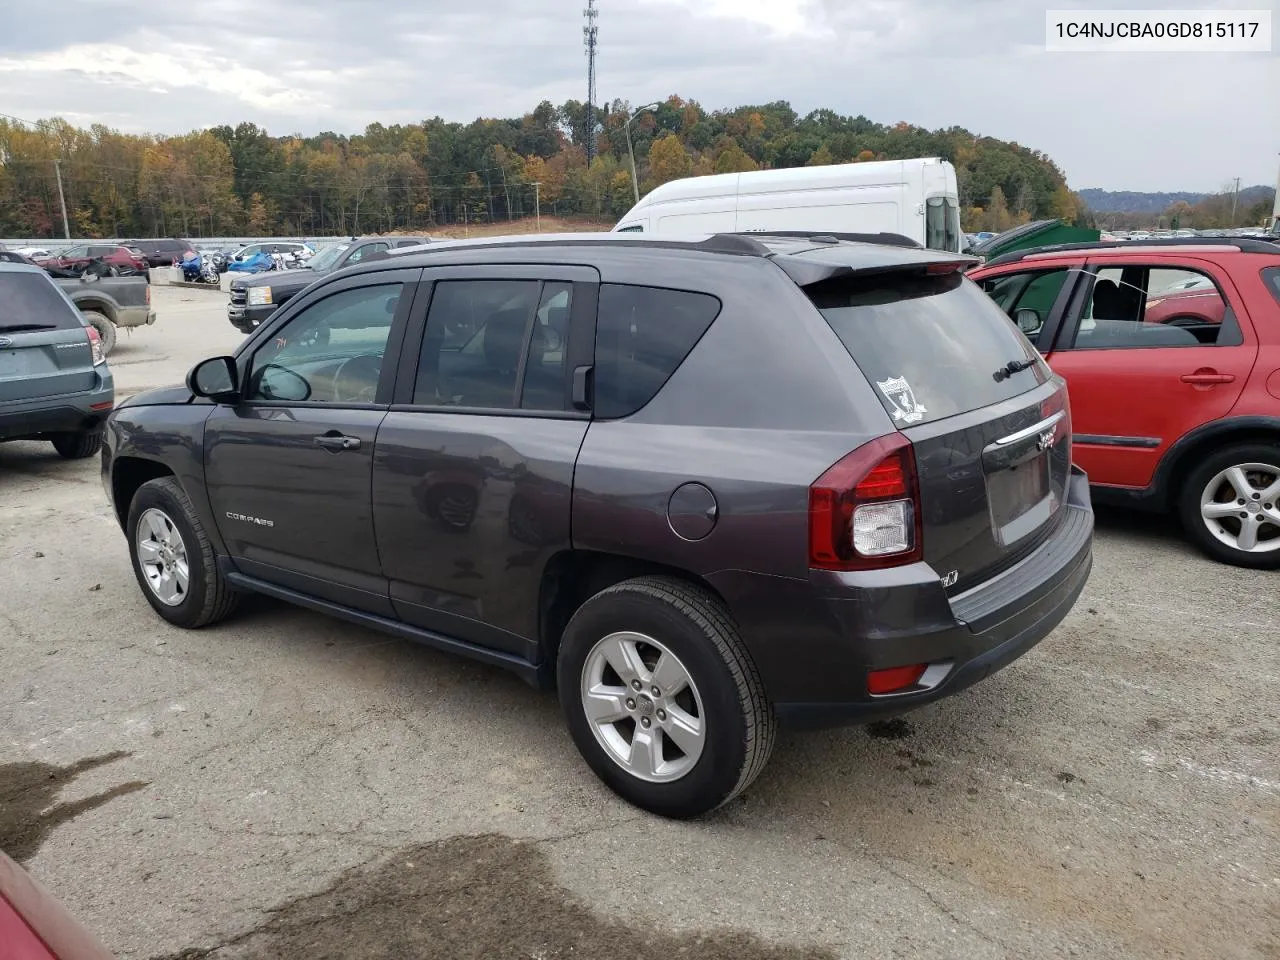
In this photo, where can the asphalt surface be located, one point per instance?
(285, 785)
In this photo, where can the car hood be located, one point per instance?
(160, 396)
(278, 279)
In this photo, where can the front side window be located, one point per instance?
(637, 228)
(330, 352)
(1133, 306)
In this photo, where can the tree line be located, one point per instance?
(243, 181)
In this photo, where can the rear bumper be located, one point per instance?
(134, 316)
(816, 671)
(70, 413)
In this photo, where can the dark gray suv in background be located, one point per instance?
(701, 486)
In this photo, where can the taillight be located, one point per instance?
(864, 512)
(148, 294)
(95, 345)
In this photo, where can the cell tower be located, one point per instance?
(589, 33)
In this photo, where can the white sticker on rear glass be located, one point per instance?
(906, 408)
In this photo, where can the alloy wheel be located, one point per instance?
(1240, 507)
(163, 557)
(643, 707)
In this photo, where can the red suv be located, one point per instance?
(123, 258)
(1171, 351)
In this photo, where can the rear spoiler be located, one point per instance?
(885, 239)
(806, 272)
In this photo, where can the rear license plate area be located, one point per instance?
(1021, 499)
(14, 363)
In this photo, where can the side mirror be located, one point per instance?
(217, 379)
(1028, 320)
(281, 383)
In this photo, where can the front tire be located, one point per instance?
(173, 559)
(661, 697)
(1230, 505)
(78, 446)
(106, 329)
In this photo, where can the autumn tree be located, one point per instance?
(668, 160)
(733, 159)
(821, 157)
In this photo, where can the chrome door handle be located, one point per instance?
(338, 443)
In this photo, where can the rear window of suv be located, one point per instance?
(931, 347)
(32, 298)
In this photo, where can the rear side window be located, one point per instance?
(931, 347)
(1272, 276)
(642, 335)
(32, 299)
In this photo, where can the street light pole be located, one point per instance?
(62, 200)
(635, 185)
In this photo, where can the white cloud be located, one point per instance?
(1116, 121)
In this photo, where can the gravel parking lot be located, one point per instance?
(285, 785)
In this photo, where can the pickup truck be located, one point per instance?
(255, 298)
(110, 302)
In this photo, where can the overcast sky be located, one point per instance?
(1118, 121)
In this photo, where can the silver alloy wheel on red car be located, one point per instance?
(643, 707)
(1240, 507)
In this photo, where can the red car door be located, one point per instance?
(1139, 382)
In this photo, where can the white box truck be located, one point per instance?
(916, 198)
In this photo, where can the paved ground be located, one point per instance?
(288, 786)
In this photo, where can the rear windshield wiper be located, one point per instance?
(1012, 367)
(25, 327)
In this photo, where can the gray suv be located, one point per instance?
(54, 380)
(703, 487)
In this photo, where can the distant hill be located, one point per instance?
(1130, 201)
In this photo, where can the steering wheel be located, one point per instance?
(356, 379)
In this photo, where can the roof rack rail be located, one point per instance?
(1243, 244)
(820, 236)
(734, 243)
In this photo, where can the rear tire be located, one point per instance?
(1210, 507)
(106, 329)
(78, 446)
(166, 538)
(721, 723)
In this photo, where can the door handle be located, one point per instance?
(1206, 378)
(330, 442)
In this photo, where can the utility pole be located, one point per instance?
(537, 205)
(635, 185)
(66, 228)
(1234, 198)
(589, 33)
(1275, 210)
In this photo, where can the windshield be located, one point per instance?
(326, 258)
